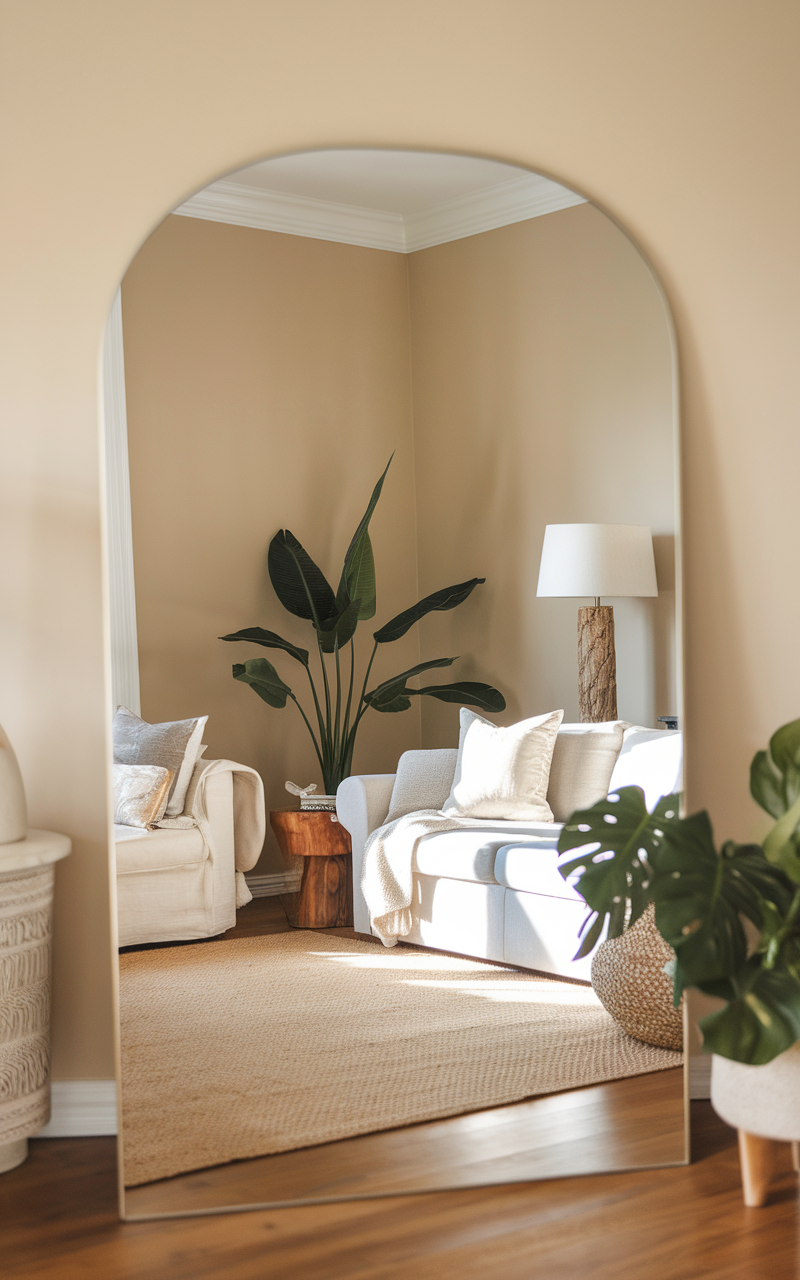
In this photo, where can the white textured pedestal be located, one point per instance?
(26, 902)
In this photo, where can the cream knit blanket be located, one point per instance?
(387, 869)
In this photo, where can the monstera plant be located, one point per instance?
(630, 858)
(303, 590)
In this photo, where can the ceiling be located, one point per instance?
(397, 200)
(404, 182)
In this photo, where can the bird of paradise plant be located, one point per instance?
(303, 590)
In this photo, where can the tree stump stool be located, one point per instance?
(325, 899)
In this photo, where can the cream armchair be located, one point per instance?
(186, 880)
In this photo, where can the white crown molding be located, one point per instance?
(528, 196)
(296, 215)
(82, 1109)
(517, 200)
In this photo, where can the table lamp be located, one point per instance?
(597, 560)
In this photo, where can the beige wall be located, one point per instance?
(542, 394)
(679, 118)
(268, 378)
(268, 383)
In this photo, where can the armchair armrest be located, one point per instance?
(362, 803)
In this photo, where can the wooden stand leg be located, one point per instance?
(757, 1160)
(796, 1156)
(597, 664)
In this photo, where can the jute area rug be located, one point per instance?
(244, 1048)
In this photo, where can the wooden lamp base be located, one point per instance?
(597, 664)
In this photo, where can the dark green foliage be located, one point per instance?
(304, 591)
(702, 895)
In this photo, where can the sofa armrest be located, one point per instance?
(362, 803)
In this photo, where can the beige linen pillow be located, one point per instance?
(503, 773)
(423, 781)
(583, 762)
(173, 745)
(140, 794)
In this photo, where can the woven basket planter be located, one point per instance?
(629, 979)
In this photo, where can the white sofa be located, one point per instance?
(495, 891)
(179, 883)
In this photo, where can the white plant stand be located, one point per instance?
(26, 908)
(763, 1103)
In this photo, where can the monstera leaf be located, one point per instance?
(701, 895)
(618, 837)
(263, 680)
(761, 1018)
(447, 598)
(775, 785)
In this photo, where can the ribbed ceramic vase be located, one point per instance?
(25, 908)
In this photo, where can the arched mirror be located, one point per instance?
(376, 992)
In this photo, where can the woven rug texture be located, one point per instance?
(245, 1048)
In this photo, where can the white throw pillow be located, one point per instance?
(503, 773)
(173, 745)
(423, 781)
(583, 761)
(651, 759)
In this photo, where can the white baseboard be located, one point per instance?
(82, 1109)
(269, 886)
(700, 1075)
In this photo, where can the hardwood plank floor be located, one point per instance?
(58, 1222)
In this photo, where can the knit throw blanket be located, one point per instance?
(388, 869)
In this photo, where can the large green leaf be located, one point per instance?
(761, 1021)
(442, 600)
(775, 774)
(399, 681)
(339, 630)
(395, 695)
(299, 584)
(700, 896)
(472, 692)
(263, 680)
(257, 635)
(617, 837)
(358, 575)
(782, 844)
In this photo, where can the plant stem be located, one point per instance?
(320, 721)
(337, 723)
(776, 944)
(326, 742)
(310, 730)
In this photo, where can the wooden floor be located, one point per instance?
(618, 1125)
(58, 1221)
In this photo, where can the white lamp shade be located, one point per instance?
(597, 560)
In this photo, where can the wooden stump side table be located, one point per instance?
(325, 899)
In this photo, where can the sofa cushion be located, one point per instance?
(423, 781)
(583, 762)
(503, 772)
(651, 759)
(469, 853)
(159, 850)
(532, 867)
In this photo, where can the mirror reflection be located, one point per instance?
(391, 443)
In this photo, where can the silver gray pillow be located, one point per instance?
(173, 745)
